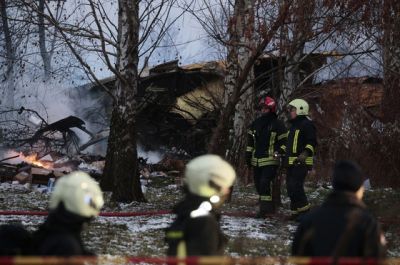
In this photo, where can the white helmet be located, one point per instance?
(301, 106)
(80, 194)
(208, 175)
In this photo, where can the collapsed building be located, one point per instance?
(178, 106)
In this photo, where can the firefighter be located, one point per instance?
(266, 139)
(342, 226)
(299, 155)
(75, 201)
(196, 230)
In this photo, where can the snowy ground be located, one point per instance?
(144, 235)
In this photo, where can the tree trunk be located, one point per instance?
(391, 61)
(121, 159)
(237, 77)
(219, 139)
(244, 112)
(8, 93)
(230, 136)
(42, 41)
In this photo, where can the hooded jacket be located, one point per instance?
(341, 227)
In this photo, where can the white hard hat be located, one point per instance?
(301, 106)
(207, 175)
(80, 194)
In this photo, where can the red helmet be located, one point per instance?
(268, 102)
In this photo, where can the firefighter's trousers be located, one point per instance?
(263, 180)
(295, 178)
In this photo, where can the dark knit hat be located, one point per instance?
(347, 176)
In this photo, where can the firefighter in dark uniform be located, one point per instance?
(196, 229)
(342, 226)
(266, 139)
(75, 201)
(299, 153)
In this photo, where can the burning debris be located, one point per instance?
(33, 169)
(41, 151)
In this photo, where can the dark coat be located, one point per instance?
(60, 235)
(342, 226)
(265, 136)
(302, 137)
(201, 235)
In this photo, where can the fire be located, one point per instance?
(32, 159)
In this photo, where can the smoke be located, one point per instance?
(153, 157)
(53, 101)
(6, 153)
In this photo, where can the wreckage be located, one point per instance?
(178, 107)
(62, 126)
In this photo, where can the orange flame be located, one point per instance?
(32, 159)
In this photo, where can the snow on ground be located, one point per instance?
(144, 235)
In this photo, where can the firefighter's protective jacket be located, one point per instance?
(301, 137)
(196, 230)
(266, 136)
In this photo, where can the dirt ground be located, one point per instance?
(144, 235)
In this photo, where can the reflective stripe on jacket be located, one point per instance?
(266, 136)
(301, 137)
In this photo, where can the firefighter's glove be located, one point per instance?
(301, 159)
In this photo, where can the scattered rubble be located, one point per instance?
(30, 169)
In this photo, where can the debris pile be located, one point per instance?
(31, 169)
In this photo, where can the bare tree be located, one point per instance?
(119, 46)
(121, 159)
(391, 60)
(251, 27)
(9, 58)
(241, 30)
(47, 52)
(281, 28)
(42, 41)
(266, 31)
(293, 47)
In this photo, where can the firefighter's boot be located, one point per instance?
(266, 207)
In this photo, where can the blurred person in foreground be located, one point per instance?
(342, 226)
(75, 201)
(196, 230)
